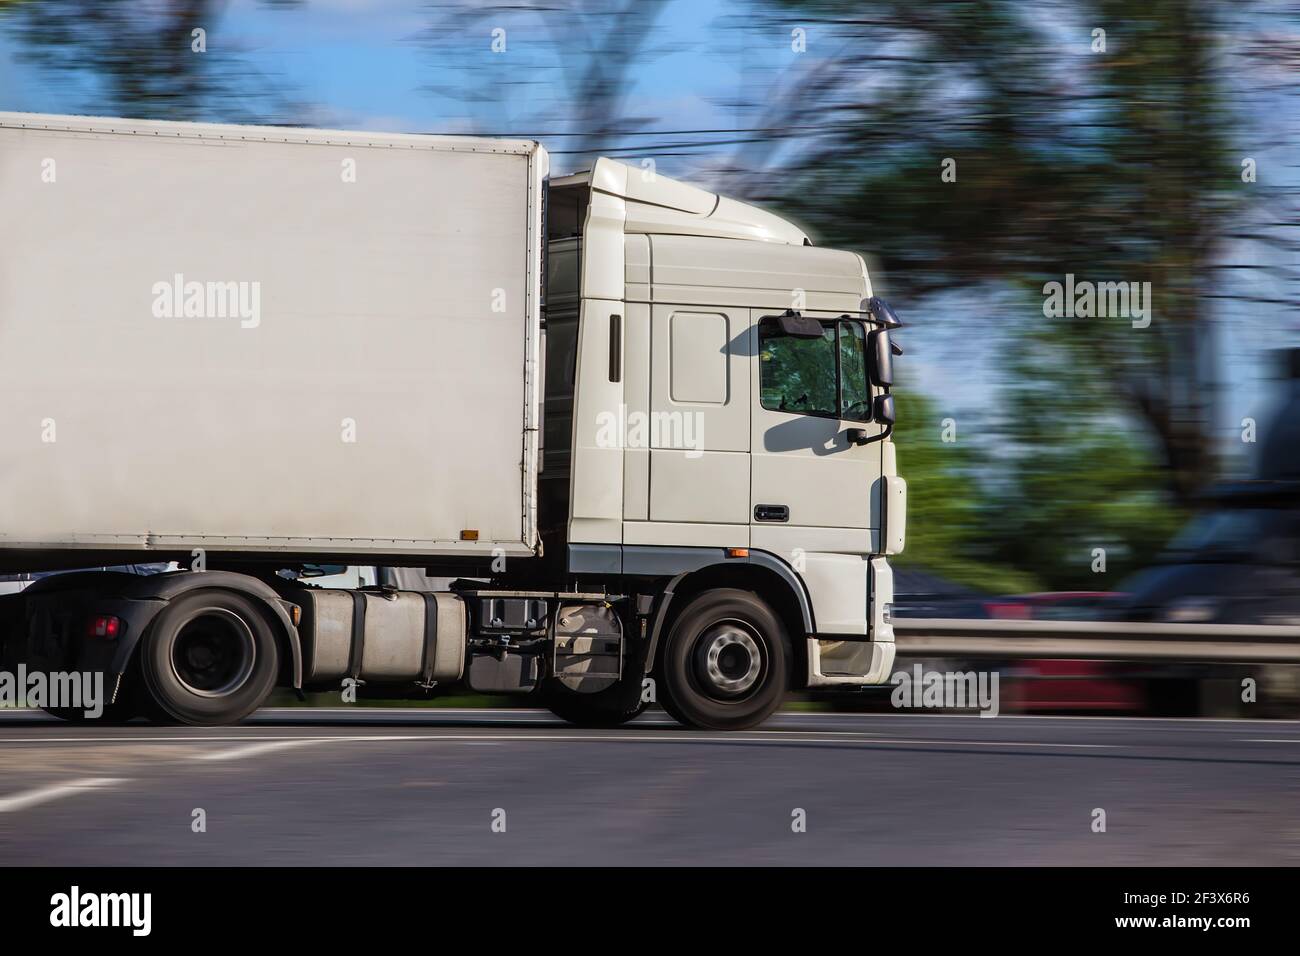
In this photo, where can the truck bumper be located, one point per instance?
(859, 660)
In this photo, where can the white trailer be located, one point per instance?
(650, 423)
(196, 320)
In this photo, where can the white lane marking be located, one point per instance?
(30, 798)
(1268, 740)
(682, 738)
(253, 750)
(408, 711)
(780, 715)
(876, 719)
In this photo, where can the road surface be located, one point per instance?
(448, 787)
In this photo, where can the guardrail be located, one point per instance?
(1098, 641)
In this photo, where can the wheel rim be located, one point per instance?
(729, 659)
(213, 653)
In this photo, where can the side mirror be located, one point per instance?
(882, 358)
(879, 310)
(883, 410)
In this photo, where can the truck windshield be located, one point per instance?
(826, 377)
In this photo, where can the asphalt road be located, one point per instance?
(366, 786)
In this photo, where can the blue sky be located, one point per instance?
(368, 64)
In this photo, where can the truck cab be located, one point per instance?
(692, 434)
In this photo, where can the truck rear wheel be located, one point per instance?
(210, 658)
(606, 708)
(725, 661)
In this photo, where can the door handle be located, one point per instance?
(616, 348)
(771, 513)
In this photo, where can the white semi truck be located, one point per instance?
(645, 427)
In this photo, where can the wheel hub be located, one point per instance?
(214, 653)
(729, 659)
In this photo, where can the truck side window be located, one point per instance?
(826, 377)
(796, 375)
(855, 393)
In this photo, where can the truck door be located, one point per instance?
(811, 485)
(699, 423)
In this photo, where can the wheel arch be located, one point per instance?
(155, 592)
(771, 579)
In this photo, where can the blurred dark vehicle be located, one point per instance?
(920, 594)
(1238, 560)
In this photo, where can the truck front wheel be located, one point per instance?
(725, 661)
(210, 658)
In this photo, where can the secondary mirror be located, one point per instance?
(884, 410)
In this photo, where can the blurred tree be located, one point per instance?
(1073, 497)
(1022, 500)
(950, 528)
(569, 63)
(145, 60)
(1111, 164)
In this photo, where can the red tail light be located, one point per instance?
(105, 626)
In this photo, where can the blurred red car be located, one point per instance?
(1067, 686)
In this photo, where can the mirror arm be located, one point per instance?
(889, 429)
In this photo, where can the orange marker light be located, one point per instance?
(738, 552)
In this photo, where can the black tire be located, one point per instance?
(607, 708)
(210, 657)
(725, 662)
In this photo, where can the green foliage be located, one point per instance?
(948, 511)
(1073, 474)
(1020, 501)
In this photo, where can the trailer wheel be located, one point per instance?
(725, 661)
(210, 658)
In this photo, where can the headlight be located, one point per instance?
(1191, 610)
